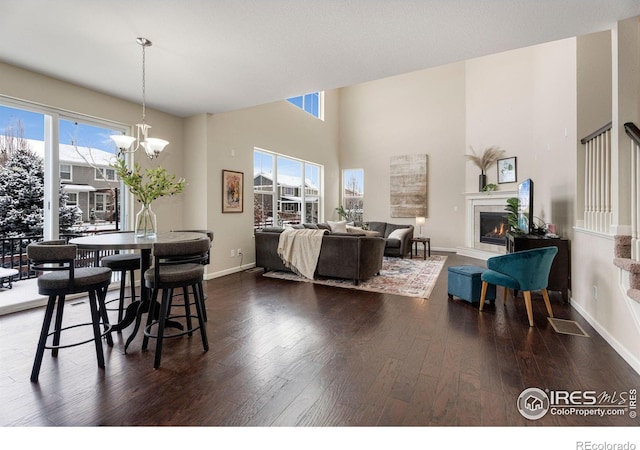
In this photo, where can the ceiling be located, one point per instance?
(221, 55)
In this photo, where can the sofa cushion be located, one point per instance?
(273, 229)
(398, 233)
(360, 232)
(375, 226)
(338, 227)
(311, 226)
(324, 226)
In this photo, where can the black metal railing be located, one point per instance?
(13, 254)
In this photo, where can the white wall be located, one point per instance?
(25, 85)
(416, 113)
(608, 61)
(231, 138)
(525, 102)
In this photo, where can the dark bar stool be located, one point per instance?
(175, 265)
(58, 259)
(205, 261)
(123, 263)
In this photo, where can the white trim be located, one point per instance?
(630, 358)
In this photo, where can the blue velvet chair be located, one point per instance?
(524, 271)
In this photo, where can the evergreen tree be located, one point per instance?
(22, 195)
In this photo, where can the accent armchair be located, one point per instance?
(526, 271)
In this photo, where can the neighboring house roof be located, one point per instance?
(285, 180)
(76, 156)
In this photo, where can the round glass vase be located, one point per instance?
(146, 225)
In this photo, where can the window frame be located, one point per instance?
(70, 172)
(52, 117)
(302, 102)
(277, 192)
(348, 200)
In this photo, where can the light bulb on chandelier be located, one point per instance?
(151, 146)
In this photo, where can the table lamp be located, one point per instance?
(419, 222)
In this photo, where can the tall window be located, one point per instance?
(286, 191)
(312, 103)
(70, 148)
(353, 193)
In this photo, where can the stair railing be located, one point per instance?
(597, 180)
(634, 133)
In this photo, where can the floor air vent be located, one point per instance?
(567, 327)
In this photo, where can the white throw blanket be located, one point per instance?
(299, 250)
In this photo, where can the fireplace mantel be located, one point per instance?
(474, 200)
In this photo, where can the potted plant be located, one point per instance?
(512, 215)
(486, 159)
(158, 183)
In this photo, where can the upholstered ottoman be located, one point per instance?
(464, 282)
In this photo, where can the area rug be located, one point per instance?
(406, 277)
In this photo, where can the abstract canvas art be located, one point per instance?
(408, 177)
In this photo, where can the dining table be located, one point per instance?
(123, 241)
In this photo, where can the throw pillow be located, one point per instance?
(361, 232)
(398, 233)
(338, 227)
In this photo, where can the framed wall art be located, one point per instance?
(232, 191)
(408, 186)
(507, 170)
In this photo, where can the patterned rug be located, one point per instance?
(406, 277)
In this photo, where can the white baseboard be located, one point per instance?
(222, 273)
(630, 358)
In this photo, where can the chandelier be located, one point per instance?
(151, 146)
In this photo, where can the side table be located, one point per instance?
(426, 243)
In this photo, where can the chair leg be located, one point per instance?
(95, 322)
(506, 294)
(527, 304)
(132, 280)
(58, 325)
(204, 306)
(483, 293)
(197, 291)
(46, 323)
(187, 309)
(164, 311)
(547, 303)
(150, 316)
(102, 310)
(123, 284)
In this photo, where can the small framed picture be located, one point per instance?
(232, 191)
(507, 170)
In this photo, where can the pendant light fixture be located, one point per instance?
(151, 146)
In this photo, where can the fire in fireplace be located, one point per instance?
(493, 228)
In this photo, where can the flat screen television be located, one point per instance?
(525, 206)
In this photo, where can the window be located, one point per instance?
(101, 202)
(105, 174)
(72, 199)
(312, 103)
(289, 200)
(65, 172)
(83, 145)
(353, 193)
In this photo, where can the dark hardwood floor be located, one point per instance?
(296, 354)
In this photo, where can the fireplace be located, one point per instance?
(493, 227)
